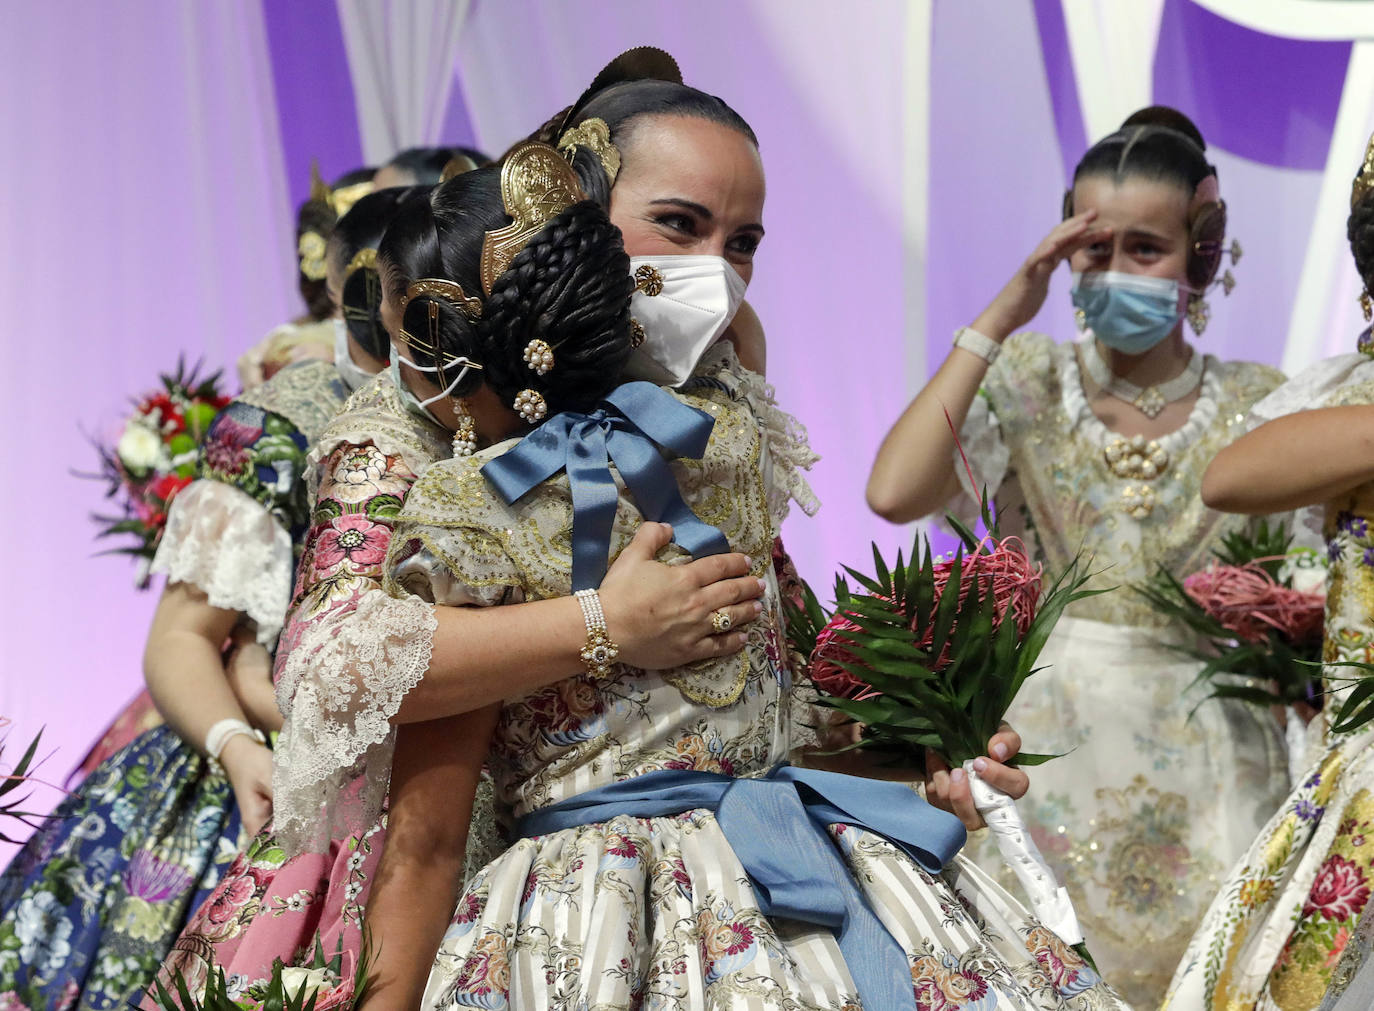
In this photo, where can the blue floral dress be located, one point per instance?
(94, 900)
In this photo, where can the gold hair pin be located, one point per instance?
(595, 136)
(536, 186)
(449, 291)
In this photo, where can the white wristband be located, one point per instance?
(221, 733)
(979, 344)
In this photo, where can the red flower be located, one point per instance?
(167, 486)
(353, 537)
(1340, 891)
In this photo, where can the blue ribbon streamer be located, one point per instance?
(632, 428)
(777, 827)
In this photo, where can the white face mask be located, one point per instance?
(414, 403)
(698, 298)
(353, 376)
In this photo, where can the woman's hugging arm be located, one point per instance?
(434, 779)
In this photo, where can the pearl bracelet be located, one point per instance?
(600, 651)
(979, 344)
(223, 731)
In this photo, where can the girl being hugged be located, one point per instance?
(1098, 446)
(662, 854)
(1292, 922)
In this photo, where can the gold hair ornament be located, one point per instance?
(362, 259)
(648, 280)
(310, 247)
(456, 166)
(450, 291)
(531, 405)
(539, 356)
(337, 200)
(536, 186)
(595, 136)
(1364, 180)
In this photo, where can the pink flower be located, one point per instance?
(9, 1001)
(226, 450)
(229, 898)
(153, 879)
(1340, 891)
(353, 537)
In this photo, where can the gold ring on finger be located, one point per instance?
(720, 621)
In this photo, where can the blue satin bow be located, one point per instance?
(777, 828)
(628, 428)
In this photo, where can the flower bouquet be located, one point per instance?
(1257, 611)
(155, 458)
(932, 655)
(319, 986)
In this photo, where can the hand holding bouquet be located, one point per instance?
(932, 655)
(155, 458)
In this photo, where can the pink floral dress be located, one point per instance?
(658, 911)
(274, 902)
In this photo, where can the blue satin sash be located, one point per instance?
(777, 828)
(632, 427)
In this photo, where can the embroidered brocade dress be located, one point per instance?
(1277, 931)
(1146, 810)
(658, 912)
(267, 906)
(94, 900)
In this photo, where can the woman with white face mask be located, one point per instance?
(1099, 446)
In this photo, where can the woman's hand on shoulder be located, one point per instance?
(949, 790)
(662, 616)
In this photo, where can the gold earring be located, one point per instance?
(1367, 305)
(1198, 313)
(465, 435)
(637, 334)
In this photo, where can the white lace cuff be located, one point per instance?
(339, 687)
(224, 543)
(988, 460)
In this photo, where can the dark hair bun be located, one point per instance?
(1169, 118)
(571, 288)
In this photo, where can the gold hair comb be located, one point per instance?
(595, 136)
(536, 186)
(363, 258)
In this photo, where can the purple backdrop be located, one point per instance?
(152, 164)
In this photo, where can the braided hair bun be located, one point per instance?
(569, 287)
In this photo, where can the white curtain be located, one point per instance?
(1113, 45)
(401, 56)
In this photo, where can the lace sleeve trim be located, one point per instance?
(226, 544)
(339, 689)
(789, 449)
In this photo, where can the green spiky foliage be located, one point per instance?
(12, 805)
(1275, 660)
(952, 706)
(272, 995)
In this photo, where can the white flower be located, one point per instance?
(352, 890)
(300, 983)
(356, 861)
(235, 985)
(42, 927)
(122, 813)
(140, 448)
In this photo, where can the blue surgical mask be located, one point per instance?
(1130, 313)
